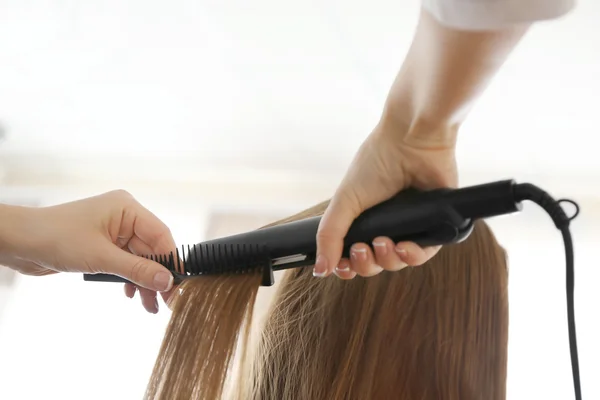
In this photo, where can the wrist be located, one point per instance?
(418, 129)
(414, 114)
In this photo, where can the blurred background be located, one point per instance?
(223, 116)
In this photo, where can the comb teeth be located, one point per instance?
(214, 259)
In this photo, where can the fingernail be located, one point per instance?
(343, 267)
(402, 253)
(155, 306)
(380, 248)
(359, 254)
(163, 281)
(320, 269)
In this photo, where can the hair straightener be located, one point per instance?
(434, 217)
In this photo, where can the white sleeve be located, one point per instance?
(495, 14)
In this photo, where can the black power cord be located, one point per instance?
(526, 191)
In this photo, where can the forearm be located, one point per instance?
(13, 227)
(444, 72)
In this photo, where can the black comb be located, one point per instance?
(207, 259)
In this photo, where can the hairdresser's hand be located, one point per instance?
(101, 234)
(392, 158)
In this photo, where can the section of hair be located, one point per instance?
(202, 352)
(210, 323)
(438, 331)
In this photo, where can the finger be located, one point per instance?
(343, 270)
(386, 256)
(130, 290)
(138, 270)
(138, 247)
(413, 255)
(149, 300)
(334, 225)
(151, 230)
(169, 297)
(362, 260)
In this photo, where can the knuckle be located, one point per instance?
(324, 235)
(121, 194)
(350, 200)
(344, 205)
(138, 270)
(167, 233)
(164, 239)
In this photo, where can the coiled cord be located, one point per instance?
(527, 191)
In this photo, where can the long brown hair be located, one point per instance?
(438, 331)
(199, 347)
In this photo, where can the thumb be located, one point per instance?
(343, 209)
(138, 270)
